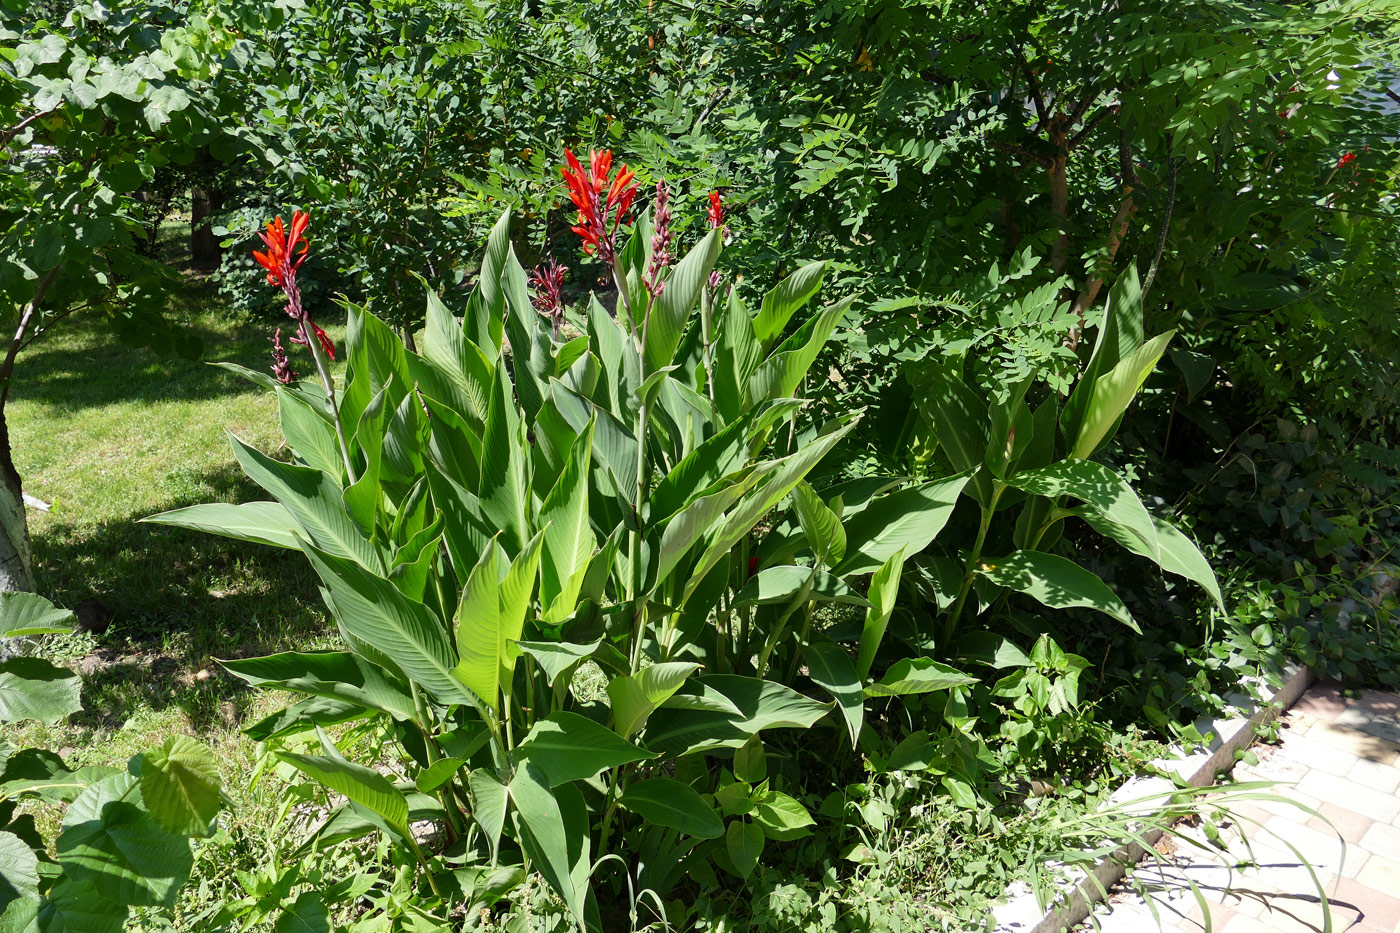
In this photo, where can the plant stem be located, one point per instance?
(620, 280)
(806, 629)
(314, 346)
(973, 556)
(706, 301)
(635, 544)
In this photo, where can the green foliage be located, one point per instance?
(471, 572)
(124, 840)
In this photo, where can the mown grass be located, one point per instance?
(109, 434)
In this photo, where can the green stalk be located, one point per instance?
(806, 630)
(328, 384)
(973, 556)
(708, 354)
(635, 542)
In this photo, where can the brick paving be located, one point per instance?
(1340, 756)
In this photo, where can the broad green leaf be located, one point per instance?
(743, 842)
(390, 629)
(32, 688)
(465, 529)
(19, 868)
(671, 310)
(917, 675)
(825, 536)
(1121, 334)
(41, 773)
(915, 753)
(76, 907)
(1056, 582)
(569, 747)
(309, 434)
(304, 717)
(762, 704)
(447, 347)
(259, 522)
(314, 501)
(1102, 489)
(737, 352)
(339, 674)
(544, 837)
(959, 419)
(484, 323)
(31, 614)
(782, 584)
(491, 617)
(635, 696)
(307, 914)
(751, 761)
(962, 793)
(884, 591)
(108, 840)
(504, 492)
(363, 786)
(1113, 392)
(180, 785)
(488, 806)
(1175, 553)
(433, 777)
(556, 658)
(717, 457)
(830, 668)
(747, 513)
(614, 447)
(668, 802)
(568, 537)
(905, 520)
(692, 523)
(782, 816)
(785, 299)
(783, 371)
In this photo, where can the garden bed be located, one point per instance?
(1023, 911)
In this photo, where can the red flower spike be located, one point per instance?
(598, 216)
(716, 211)
(283, 257)
(286, 251)
(1347, 159)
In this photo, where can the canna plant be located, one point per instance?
(1031, 472)
(533, 492)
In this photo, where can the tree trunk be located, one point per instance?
(1059, 195)
(16, 556)
(204, 245)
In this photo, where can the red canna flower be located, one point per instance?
(601, 202)
(283, 259)
(286, 251)
(1347, 159)
(716, 212)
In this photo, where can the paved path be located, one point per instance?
(1340, 756)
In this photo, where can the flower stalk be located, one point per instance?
(286, 251)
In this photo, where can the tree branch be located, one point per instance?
(1088, 128)
(1166, 223)
(12, 132)
(7, 368)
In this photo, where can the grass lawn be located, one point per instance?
(109, 434)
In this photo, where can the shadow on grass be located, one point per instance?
(177, 600)
(69, 374)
